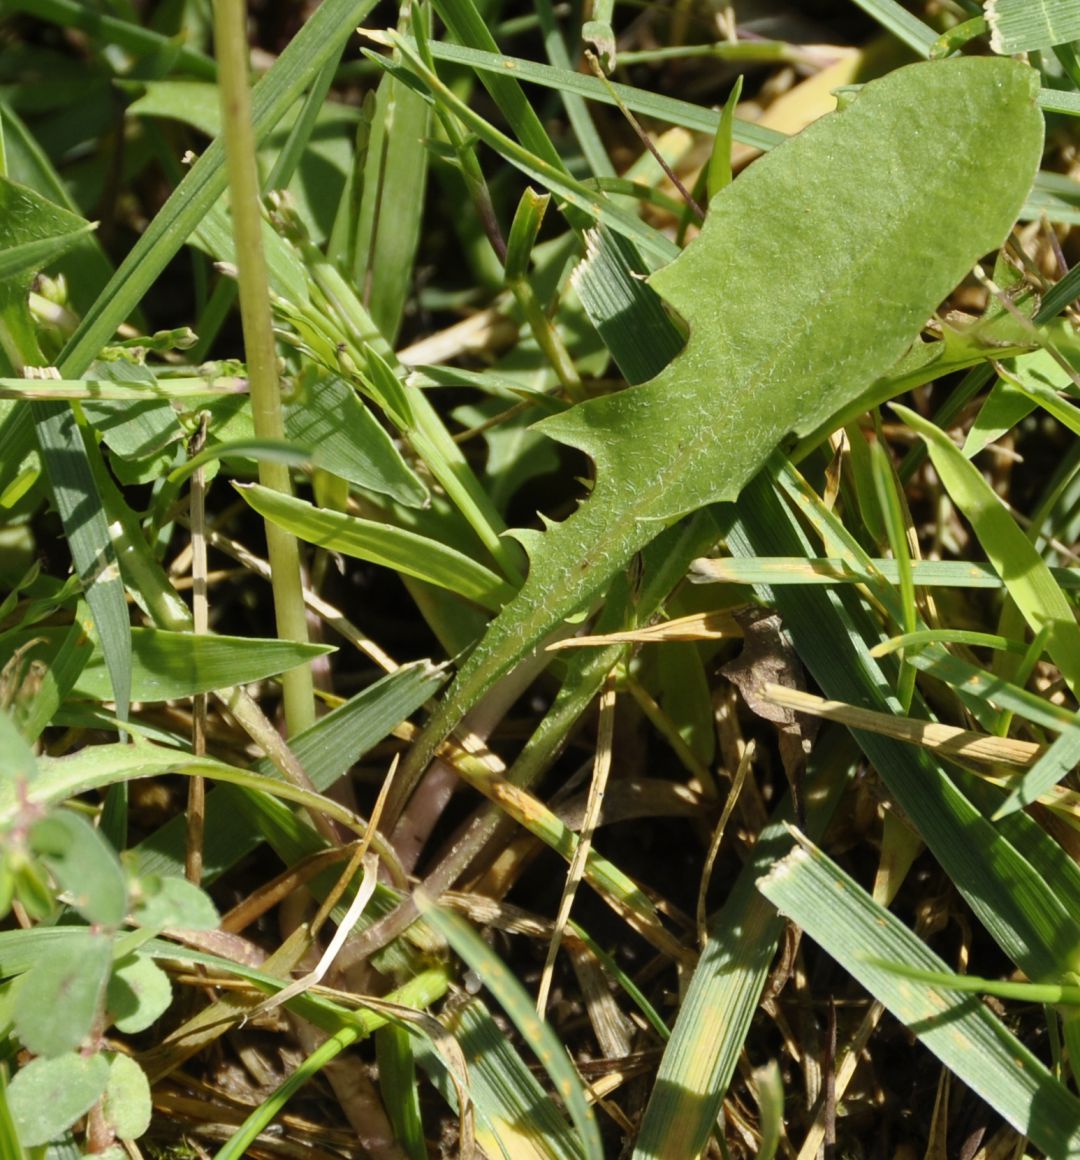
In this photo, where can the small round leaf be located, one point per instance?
(127, 1098)
(84, 864)
(58, 999)
(139, 993)
(48, 1095)
(174, 902)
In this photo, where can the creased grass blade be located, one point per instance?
(707, 1040)
(391, 547)
(1020, 909)
(1023, 571)
(74, 489)
(316, 41)
(1060, 759)
(515, 1118)
(1031, 25)
(515, 1001)
(782, 571)
(392, 203)
(958, 1028)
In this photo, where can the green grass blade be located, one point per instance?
(905, 26)
(1023, 571)
(515, 1118)
(520, 1009)
(300, 61)
(1020, 909)
(391, 207)
(577, 111)
(958, 1028)
(1057, 762)
(326, 751)
(1031, 25)
(828, 572)
(66, 459)
(382, 544)
(538, 167)
(627, 313)
(397, 1082)
(723, 995)
(664, 108)
(167, 666)
(469, 28)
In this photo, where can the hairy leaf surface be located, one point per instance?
(814, 273)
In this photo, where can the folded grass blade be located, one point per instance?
(957, 1027)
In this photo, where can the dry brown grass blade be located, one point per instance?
(944, 740)
(697, 626)
(601, 769)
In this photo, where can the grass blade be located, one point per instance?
(957, 1027)
(382, 544)
(517, 1004)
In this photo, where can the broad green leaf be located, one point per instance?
(808, 303)
(30, 257)
(138, 994)
(17, 762)
(194, 102)
(127, 1104)
(59, 999)
(383, 544)
(174, 902)
(84, 865)
(48, 1095)
(32, 231)
(1031, 25)
(957, 1027)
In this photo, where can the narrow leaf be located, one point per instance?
(1031, 25)
(382, 544)
(957, 1027)
(1023, 571)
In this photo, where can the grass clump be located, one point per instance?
(381, 775)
